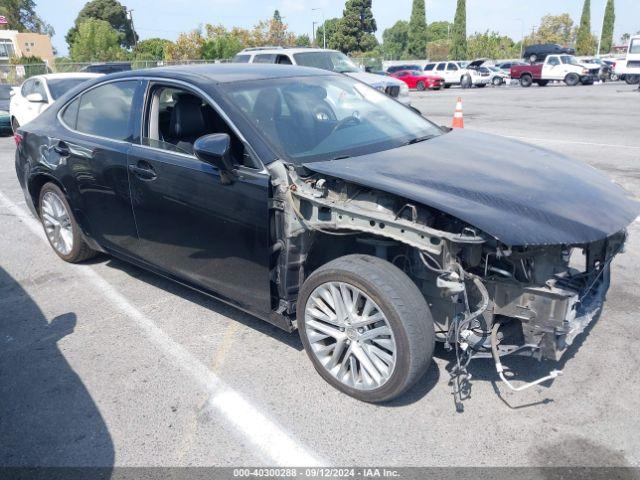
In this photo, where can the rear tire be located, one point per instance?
(497, 81)
(60, 226)
(526, 80)
(370, 283)
(632, 79)
(420, 86)
(572, 79)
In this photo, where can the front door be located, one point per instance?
(191, 225)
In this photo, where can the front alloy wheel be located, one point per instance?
(366, 327)
(350, 335)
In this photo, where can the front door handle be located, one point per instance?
(143, 170)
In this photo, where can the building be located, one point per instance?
(17, 44)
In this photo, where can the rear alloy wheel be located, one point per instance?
(632, 79)
(497, 81)
(572, 79)
(526, 80)
(420, 86)
(60, 227)
(366, 327)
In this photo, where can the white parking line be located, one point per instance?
(271, 441)
(572, 142)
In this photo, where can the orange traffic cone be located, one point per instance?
(458, 119)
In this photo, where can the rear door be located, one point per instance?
(191, 225)
(99, 128)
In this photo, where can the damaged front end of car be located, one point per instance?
(487, 299)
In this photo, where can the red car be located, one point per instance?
(419, 80)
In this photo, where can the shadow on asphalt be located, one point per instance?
(47, 415)
(290, 339)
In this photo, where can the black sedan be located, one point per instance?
(318, 203)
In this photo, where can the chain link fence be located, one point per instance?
(16, 74)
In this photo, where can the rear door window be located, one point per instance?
(441, 67)
(241, 59)
(452, 66)
(265, 58)
(284, 60)
(105, 111)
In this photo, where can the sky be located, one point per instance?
(168, 18)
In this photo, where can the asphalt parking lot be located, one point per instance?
(104, 364)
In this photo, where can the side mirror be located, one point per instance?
(215, 149)
(35, 98)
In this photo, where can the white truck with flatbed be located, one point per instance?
(630, 66)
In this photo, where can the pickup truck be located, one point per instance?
(555, 67)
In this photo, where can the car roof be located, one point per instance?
(60, 76)
(292, 50)
(226, 72)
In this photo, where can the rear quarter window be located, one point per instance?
(265, 58)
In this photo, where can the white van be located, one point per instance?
(631, 64)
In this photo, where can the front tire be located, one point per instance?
(572, 79)
(366, 327)
(60, 226)
(420, 86)
(497, 81)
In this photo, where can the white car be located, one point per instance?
(454, 73)
(37, 93)
(331, 60)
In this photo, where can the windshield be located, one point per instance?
(60, 86)
(333, 61)
(5, 92)
(569, 60)
(327, 117)
(634, 47)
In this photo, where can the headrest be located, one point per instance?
(187, 119)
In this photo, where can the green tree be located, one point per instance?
(221, 43)
(21, 15)
(96, 40)
(553, 29)
(303, 40)
(151, 49)
(417, 46)
(585, 44)
(459, 34)
(332, 27)
(492, 45)
(355, 32)
(112, 12)
(437, 31)
(395, 40)
(606, 38)
(188, 46)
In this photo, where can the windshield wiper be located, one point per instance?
(340, 157)
(419, 139)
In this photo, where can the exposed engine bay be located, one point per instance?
(487, 299)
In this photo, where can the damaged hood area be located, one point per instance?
(520, 194)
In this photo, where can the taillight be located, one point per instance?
(18, 139)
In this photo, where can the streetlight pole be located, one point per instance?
(313, 33)
(324, 27)
(521, 34)
(135, 37)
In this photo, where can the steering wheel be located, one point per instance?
(350, 121)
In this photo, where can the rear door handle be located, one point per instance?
(143, 170)
(62, 149)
